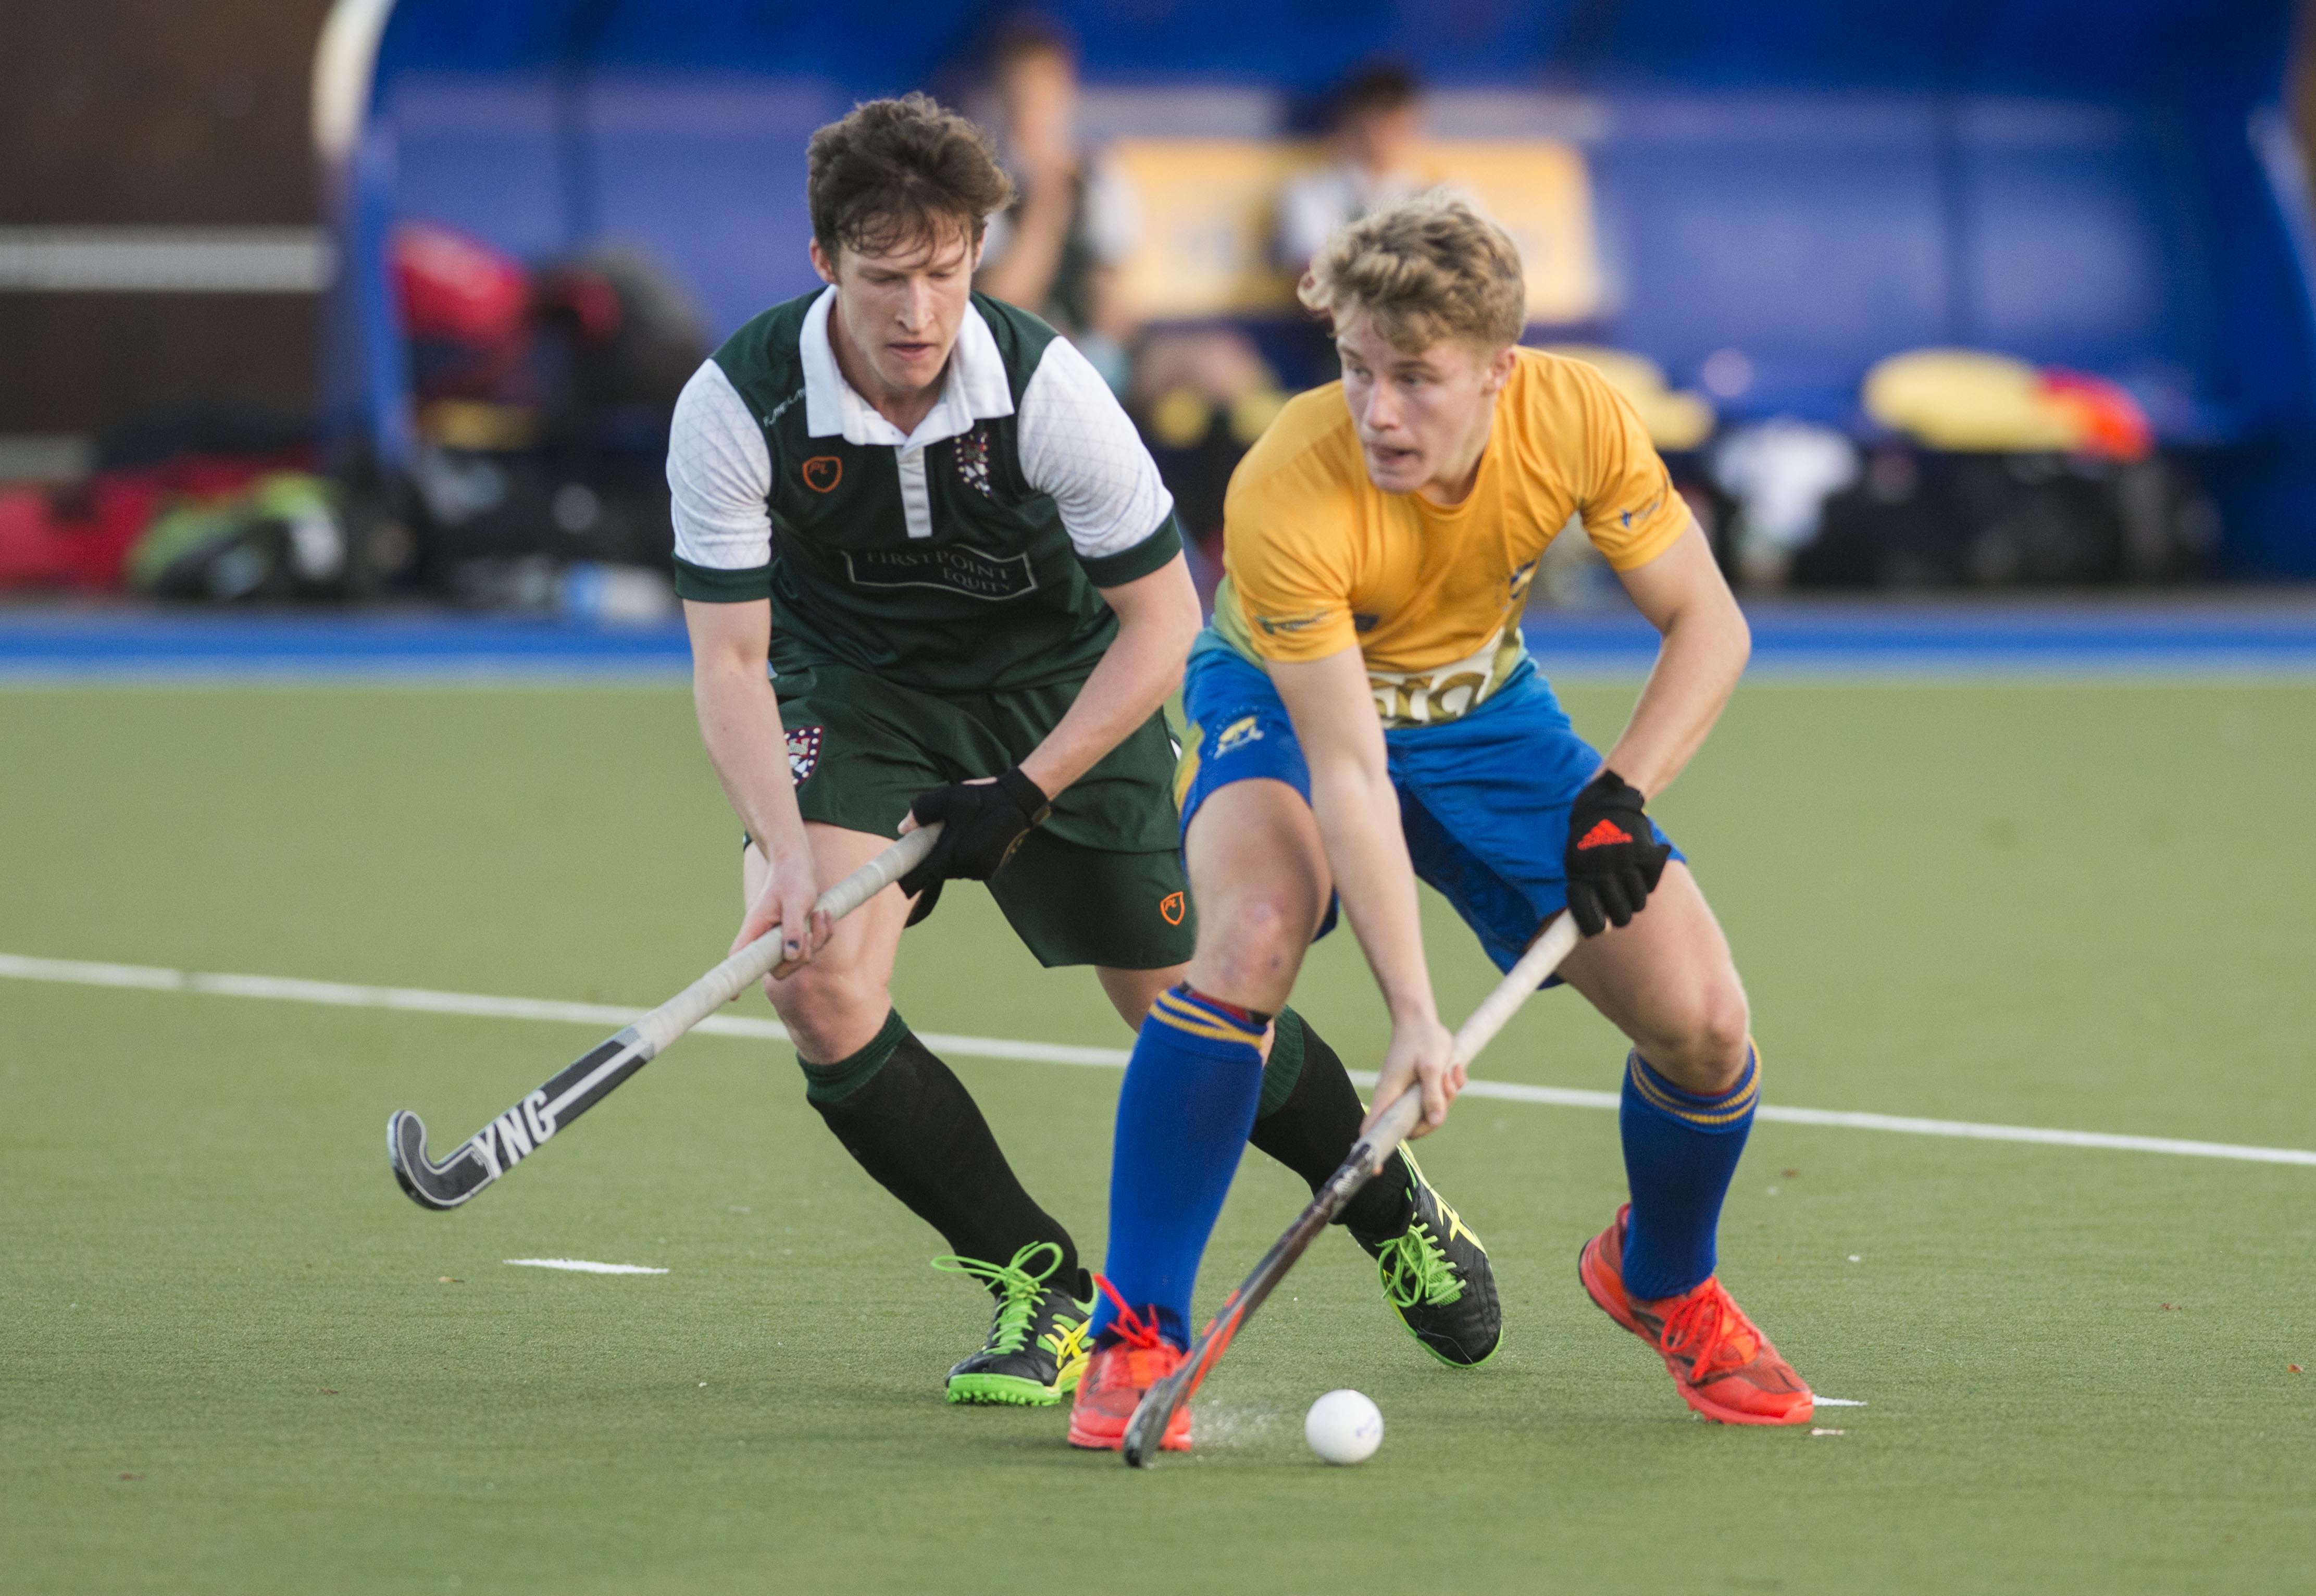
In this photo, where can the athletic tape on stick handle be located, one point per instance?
(498, 1146)
(1147, 1427)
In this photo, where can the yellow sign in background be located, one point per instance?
(1209, 213)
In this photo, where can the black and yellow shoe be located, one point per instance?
(1437, 1275)
(1036, 1353)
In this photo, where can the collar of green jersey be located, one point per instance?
(974, 386)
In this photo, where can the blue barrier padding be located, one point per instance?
(1967, 639)
(1840, 639)
(163, 645)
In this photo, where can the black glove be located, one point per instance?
(981, 823)
(1614, 859)
(927, 902)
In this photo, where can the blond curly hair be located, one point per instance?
(1425, 268)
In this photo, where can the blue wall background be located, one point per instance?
(2107, 184)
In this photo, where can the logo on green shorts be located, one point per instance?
(804, 752)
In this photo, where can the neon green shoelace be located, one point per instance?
(1416, 1272)
(1021, 1291)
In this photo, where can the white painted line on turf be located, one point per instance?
(1908, 1126)
(1836, 1401)
(418, 1000)
(1029, 1052)
(335, 993)
(585, 1267)
(1569, 1098)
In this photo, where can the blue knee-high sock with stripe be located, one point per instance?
(1183, 1120)
(1680, 1153)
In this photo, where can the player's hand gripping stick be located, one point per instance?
(498, 1146)
(1366, 1159)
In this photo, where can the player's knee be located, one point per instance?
(819, 1002)
(1703, 1046)
(1255, 945)
(1724, 1031)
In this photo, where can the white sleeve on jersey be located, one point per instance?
(719, 475)
(1077, 445)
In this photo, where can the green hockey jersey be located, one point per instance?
(964, 556)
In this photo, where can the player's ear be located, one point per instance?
(821, 264)
(1500, 367)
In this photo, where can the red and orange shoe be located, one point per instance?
(1115, 1377)
(1722, 1366)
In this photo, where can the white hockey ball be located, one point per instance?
(1344, 1427)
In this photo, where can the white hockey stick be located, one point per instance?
(498, 1146)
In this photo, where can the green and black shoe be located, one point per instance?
(1436, 1274)
(1036, 1353)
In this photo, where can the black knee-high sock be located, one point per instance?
(1308, 1118)
(912, 1126)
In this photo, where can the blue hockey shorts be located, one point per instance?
(1484, 799)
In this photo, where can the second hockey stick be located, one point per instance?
(497, 1147)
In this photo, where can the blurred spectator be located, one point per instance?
(1057, 250)
(1375, 127)
(1780, 472)
(1200, 395)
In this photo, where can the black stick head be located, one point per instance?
(437, 1186)
(1136, 1449)
(1145, 1430)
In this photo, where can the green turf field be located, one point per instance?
(237, 1358)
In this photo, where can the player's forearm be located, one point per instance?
(1359, 825)
(1696, 669)
(1357, 811)
(1704, 645)
(1126, 689)
(740, 723)
(1158, 620)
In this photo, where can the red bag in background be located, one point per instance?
(76, 540)
(466, 308)
(78, 537)
(451, 285)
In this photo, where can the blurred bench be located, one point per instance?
(1209, 213)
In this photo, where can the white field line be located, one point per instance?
(587, 1267)
(418, 1000)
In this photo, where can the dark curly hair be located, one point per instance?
(896, 172)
